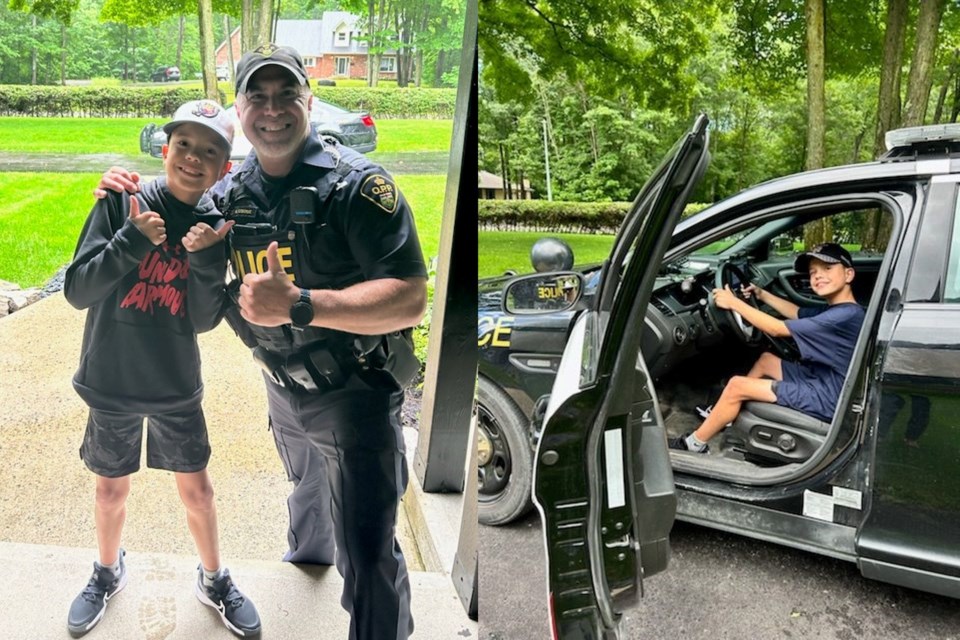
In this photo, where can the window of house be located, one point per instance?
(343, 38)
(388, 65)
(342, 66)
(309, 61)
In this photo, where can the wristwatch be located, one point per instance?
(301, 313)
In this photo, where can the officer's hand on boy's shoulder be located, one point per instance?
(149, 223)
(117, 179)
(202, 236)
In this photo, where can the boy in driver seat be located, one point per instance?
(825, 336)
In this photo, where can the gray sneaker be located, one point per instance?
(236, 610)
(88, 607)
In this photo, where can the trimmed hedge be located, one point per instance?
(147, 102)
(96, 102)
(558, 217)
(386, 102)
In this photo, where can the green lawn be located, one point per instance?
(412, 135)
(40, 219)
(500, 251)
(72, 135)
(42, 214)
(122, 135)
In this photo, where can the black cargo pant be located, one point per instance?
(344, 452)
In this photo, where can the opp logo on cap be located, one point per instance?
(266, 50)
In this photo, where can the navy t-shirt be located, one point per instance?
(826, 337)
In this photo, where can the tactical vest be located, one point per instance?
(259, 222)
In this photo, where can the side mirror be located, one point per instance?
(542, 293)
(146, 134)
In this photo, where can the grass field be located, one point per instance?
(500, 251)
(41, 215)
(122, 135)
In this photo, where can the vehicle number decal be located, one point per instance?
(818, 505)
(613, 454)
(848, 498)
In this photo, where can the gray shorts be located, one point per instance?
(175, 442)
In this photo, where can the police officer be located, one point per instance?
(329, 275)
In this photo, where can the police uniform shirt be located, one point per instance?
(363, 227)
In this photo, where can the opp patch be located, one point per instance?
(381, 191)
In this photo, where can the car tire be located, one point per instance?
(506, 475)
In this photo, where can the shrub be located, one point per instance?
(109, 100)
(95, 101)
(558, 217)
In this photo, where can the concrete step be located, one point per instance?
(47, 536)
(295, 603)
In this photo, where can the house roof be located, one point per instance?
(317, 37)
(487, 180)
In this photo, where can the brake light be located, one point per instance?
(367, 120)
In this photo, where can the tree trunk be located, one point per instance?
(921, 67)
(207, 60)
(438, 69)
(265, 20)
(815, 232)
(33, 51)
(888, 102)
(248, 37)
(63, 55)
(945, 87)
(180, 42)
(419, 68)
(230, 62)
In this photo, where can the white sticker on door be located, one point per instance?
(818, 505)
(848, 498)
(613, 454)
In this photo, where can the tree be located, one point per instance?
(921, 66)
(62, 11)
(818, 231)
(888, 101)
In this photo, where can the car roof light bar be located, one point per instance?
(920, 135)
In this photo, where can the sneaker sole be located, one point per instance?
(76, 632)
(202, 597)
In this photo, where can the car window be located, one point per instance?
(952, 289)
(864, 233)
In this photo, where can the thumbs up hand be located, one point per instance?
(149, 223)
(266, 298)
(201, 236)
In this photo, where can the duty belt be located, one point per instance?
(310, 371)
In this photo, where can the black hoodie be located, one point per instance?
(145, 304)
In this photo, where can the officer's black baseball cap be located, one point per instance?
(830, 252)
(266, 55)
(206, 113)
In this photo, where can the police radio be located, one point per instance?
(303, 203)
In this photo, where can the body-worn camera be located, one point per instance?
(303, 203)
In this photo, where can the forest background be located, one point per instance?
(606, 88)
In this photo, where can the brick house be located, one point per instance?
(330, 47)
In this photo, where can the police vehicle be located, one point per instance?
(644, 344)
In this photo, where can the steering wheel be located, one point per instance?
(730, 275)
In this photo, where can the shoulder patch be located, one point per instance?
(381, 191)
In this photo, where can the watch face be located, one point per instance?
(301, 313)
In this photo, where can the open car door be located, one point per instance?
(602, 476)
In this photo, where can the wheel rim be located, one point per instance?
(494, 465)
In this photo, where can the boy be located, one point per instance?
(147, 299)
(826, 337)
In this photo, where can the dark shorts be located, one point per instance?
(804, 390)
(175, 442)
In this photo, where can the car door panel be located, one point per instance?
(603, 482)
